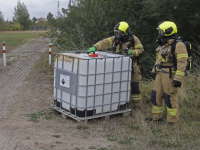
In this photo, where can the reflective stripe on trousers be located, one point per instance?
(157, 109)
(136, 97)
(172, 111)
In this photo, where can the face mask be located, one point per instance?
(161, 33)
(162, 40)
(118, 36)
(159, 40)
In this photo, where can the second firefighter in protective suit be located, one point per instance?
(168, 71)
(124, 40)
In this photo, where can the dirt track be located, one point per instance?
(24, 91)
(19, 63)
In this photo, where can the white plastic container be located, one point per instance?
(91, 85)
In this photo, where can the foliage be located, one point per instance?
(185, 13)
(87, 21)
(50, 18)
(6, 26)
(16, 27)
(21, 15)
(34, 20)
(11, 26)
(196, 58)
(40, 21)
(1, 18)
(39, 24)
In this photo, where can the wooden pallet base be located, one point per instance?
(84, 120)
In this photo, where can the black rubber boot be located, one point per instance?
(151, 119)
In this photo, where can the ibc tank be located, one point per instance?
(87, 86)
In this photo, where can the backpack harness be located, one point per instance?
(172, 57)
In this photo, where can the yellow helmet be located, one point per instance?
(123, 27)
(167, 28)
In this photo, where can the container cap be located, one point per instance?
(93, 55)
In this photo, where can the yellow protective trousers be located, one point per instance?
(136, 97)
(164, 92)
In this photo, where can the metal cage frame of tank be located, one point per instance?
(69, 113)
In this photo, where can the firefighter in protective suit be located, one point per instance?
(167, 74)
(124, 40)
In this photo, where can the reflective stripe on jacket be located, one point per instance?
(108, 43)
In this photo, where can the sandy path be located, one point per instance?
(19, 63)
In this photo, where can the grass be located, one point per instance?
(132, 132)
(18, 38)
(56, 136)
(82, 127)
(52, 146)
(36, 116)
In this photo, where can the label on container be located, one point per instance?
(64, 80)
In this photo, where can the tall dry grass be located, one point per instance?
(134, 133)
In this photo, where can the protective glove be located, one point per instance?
(176, 83)
(127, 51)
(91, 49)
(154, 76)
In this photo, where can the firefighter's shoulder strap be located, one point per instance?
(173, 48)
(132, 43)
(189, 49)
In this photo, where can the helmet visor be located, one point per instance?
(160, 32)
(118, 33)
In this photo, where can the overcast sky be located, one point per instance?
(36, 8)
